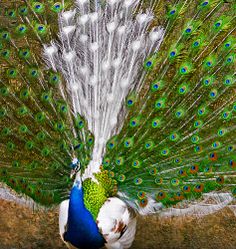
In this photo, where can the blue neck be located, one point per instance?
(82, 231)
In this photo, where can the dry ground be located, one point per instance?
(25, 229)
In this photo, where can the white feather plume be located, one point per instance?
(100, 53)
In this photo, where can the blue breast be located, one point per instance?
(82, 231)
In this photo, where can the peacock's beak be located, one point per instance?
(73, 173)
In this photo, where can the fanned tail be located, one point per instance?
(178, 140)
(100, 52)
(40, 132)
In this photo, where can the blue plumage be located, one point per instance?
(82, 231)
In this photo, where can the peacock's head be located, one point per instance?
(75, 168)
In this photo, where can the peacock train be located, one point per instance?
(118, 108)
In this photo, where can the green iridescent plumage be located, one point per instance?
(183, 143)
(37, 129)
(178, 137)
(95, 194)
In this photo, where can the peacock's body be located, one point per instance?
(131, 104)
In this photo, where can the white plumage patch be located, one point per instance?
(152, 207)
(117, 224)
(63, 217)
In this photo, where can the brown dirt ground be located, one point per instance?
(22, 228)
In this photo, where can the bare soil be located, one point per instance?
(22, 228)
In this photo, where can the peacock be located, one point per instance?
(114, 108)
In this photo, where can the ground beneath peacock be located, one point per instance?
(22, 228)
